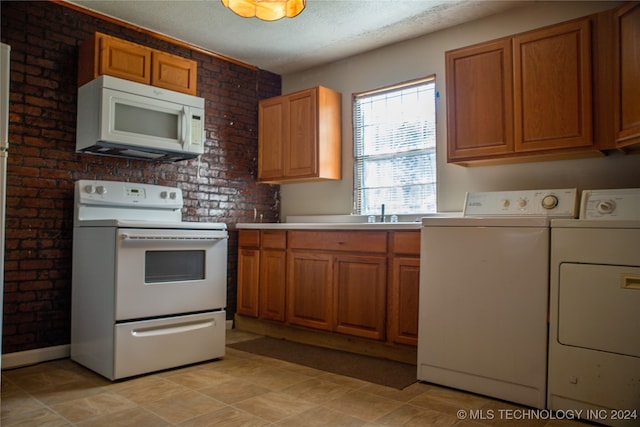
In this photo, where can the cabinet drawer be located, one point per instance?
(351, 241)
(405, 242)
(274, 239)
(249, 238)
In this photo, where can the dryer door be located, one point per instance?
(598, 307)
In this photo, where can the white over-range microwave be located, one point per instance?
(121, 118)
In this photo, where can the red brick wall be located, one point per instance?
(43, 165)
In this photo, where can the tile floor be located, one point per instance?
(241, 389)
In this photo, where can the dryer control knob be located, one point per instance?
(606, 206)
(101, 189)
(522, 203)
(549, 202)
(89, 189)
(163, 194)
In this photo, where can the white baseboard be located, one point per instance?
(31, 357)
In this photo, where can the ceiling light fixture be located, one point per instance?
(267, 10)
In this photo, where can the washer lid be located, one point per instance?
(511, 221)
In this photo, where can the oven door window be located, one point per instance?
(174, 266)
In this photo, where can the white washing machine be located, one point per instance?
(594, 339)
(484, 287)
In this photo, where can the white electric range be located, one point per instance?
(148, 290)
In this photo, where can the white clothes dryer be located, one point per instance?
(594, 338)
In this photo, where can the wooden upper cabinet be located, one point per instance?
(173, 72)
(102, 54)
(299, 137)
(105, 55)
(529, 94)
(626, 75)
(300, 148)
(271, 135)
(553, 87)
(479, 100)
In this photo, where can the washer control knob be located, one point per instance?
(89, 189)
(173, 195)
(522, 202)
(506, 203)
(100, 189)
(549, 202)
(163, 194)
(606, 206)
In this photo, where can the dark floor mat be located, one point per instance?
(379, 371)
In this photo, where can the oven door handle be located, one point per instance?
(168, 330)
(173, 238)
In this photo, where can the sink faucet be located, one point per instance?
(382, 214)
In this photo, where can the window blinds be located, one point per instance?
(395, 149)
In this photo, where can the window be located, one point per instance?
(395, 149)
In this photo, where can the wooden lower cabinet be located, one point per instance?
(404, 286)
(248, 276)
(358, 283)
(360, 295)
(273, 265)
(309, 290)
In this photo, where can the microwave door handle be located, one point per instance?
(183, 131)
(186, 142)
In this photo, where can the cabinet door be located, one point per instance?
(119, 58)
(553, 87)
(403, 300)
(360, 295)
(272, 284)
(309, 289)
(248, 281)
(301, 145)
(626, 75)
(479, 101)
(173, 72)
(271, 136)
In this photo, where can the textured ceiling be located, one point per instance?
(327, 30)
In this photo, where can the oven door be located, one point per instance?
(164, 272)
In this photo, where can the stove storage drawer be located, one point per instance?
(152, 345)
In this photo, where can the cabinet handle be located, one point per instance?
(631, 281)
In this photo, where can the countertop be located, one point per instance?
(345, 222)
(329, 226)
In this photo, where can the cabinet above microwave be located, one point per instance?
(102, 54)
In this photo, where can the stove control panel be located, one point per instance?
(561, 203)
(114, 193)
(618, 204)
